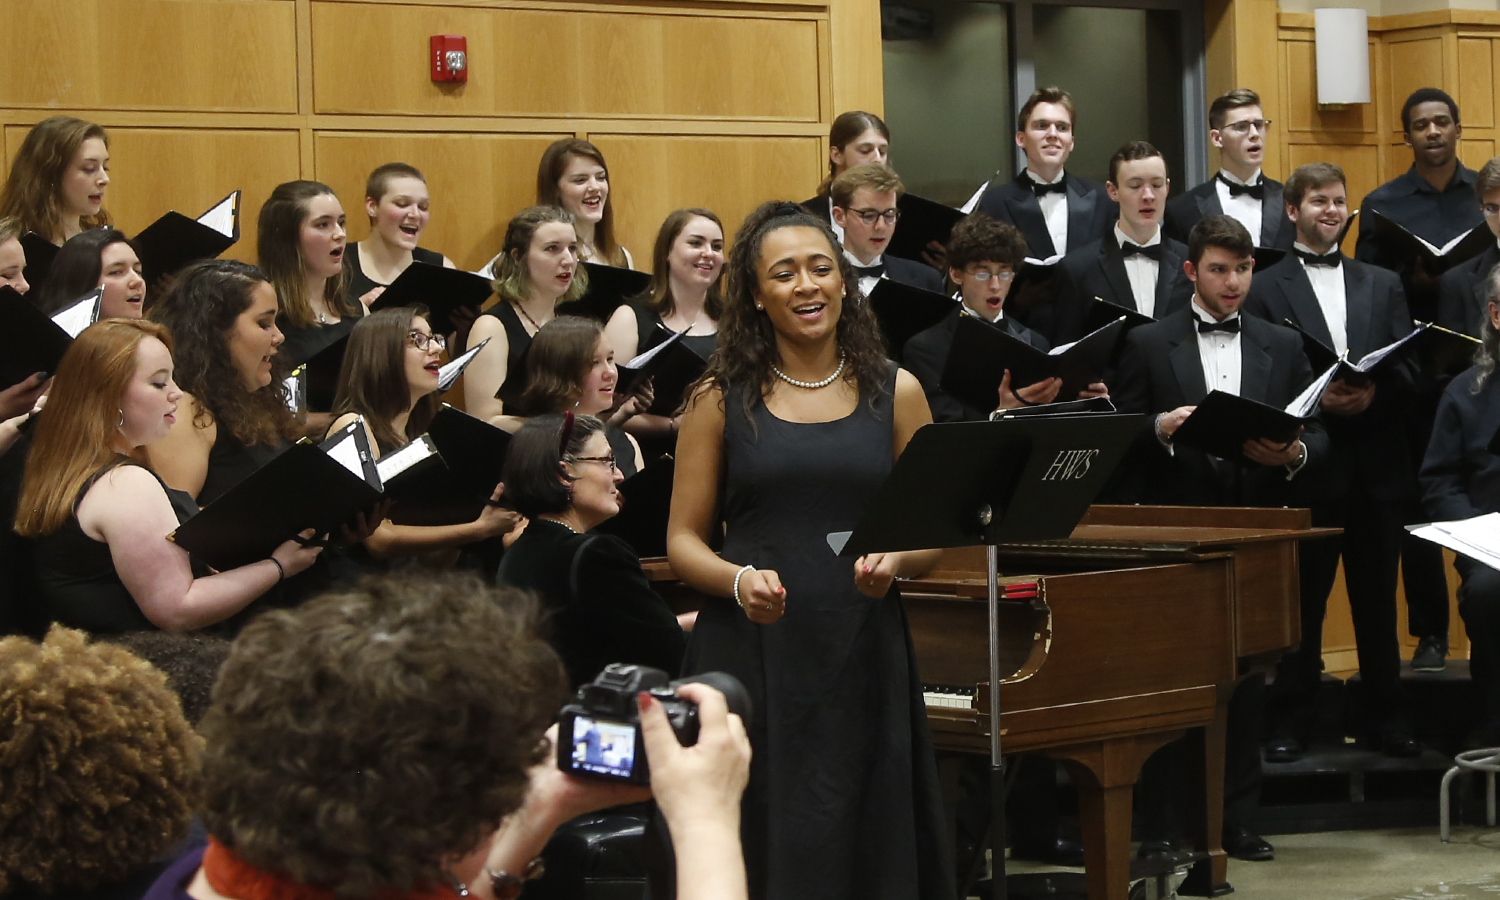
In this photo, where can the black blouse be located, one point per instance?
(361, 284)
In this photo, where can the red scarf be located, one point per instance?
(233, 877)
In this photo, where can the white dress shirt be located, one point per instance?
(838, 230)
(1220, 353)
(866, 282)
(1328, 285)
(1054, 211)
(1142, 272)
(1244, 208)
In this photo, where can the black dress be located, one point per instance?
(77, 573)
(843, 800)
(517, 339)
(650, 330)
(302, 344)
(231, 461)
(614, 616)
(361, 284)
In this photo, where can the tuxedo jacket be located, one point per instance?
(926, 354)
(1369, 450)
(1090, 212)
(1098, 270)
(1184, 211)
(818, 206)
(912, 273)
(1161, 369)
(1461, 301)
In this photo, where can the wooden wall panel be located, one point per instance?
(620, 64)
(154, 170)
(1476, 153)
(234, 55)
(1413, 64)
(477, 182)
(655, 175)
(1302, 112)
(1476, 82)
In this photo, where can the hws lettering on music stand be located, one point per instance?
(1070, 465)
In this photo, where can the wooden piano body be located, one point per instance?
(1136, 632)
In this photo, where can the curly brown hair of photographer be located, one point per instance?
(747, 340)
(101, 769)
(356, 742)
(200, 310)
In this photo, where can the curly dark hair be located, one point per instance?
(200, 310)
(978, 238)
(356, 742)
(101, 769)
(747, 340)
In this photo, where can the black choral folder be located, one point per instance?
(922, 222)
(674, 367)
(473, 453)
(1397, 241)
(323, 374)
(981, 353)
(174, 240)
(40, 253)
(441, 289)
(1223, 422)
(1102, 312)
(1374, 364)
(646, 504)
(904, 312)
(30, 342)
(608, 288)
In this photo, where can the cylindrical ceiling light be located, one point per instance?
(1343, 54)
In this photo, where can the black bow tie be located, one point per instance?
(1128, 250)
(1333, 259)
(874, 271)
(1041, 189)
(1257, 190)
(1228, 326)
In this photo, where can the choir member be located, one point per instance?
(864, 208)
(571, 366)
(301, 241)
(562, 473)
(12, 256)
(1463, 289)
(100, 520)
(223, 316)
(58, 179)
(1136, 266)
(390, 378)
(1461, 479)
(536, 270)
(983, 256)
(1435, 200)
(1238, 128)
(397, 203)
(100, 257)
(797, 422)
(1055, 211)
(1354, 307)
(856, 138)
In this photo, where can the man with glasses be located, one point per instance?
(1239, 129)
(1462, 304)
(864, 206)
(1135, 267)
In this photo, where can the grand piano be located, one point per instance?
(1128, 634)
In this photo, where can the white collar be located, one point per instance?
(970, 312)
(1122, 237)
(854, 260)
(1061, 174)
(1298, 245)
(1204, 316)
(1229, 176)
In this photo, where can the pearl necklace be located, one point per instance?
(558, 522)
(810, 385)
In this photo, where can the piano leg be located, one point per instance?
(1209, 878)
(1104, 773)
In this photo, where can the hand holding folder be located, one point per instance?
(982, 354)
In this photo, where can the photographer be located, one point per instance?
(390, 740)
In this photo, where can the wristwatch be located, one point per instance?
(507, 886)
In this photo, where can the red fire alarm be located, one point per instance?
(450, 57)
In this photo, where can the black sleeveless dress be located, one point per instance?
(231, 461)
(843, 801)
(517, 339)
(361, 284)
(78, 576)
(650, 330)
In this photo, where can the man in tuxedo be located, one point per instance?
(864, 207)
(1136, 266)
(1238, 128)
(1166, 369)
(1354, 307)
(1434, 200)
(1055, 211)
(983, 256)
(1462, 305)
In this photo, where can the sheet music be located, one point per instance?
(972, 202)
(394, 464)
(1060, 349)
(296, 389)
(1307, 402)
(1374, 356)
(1478, 537)
(1049, 261)
(449, 373)
(224, 217)
(80, 314)
(344, 448)
(641, 359)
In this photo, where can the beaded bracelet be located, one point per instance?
(737, 576)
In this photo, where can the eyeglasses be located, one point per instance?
(422, 340)
(608, 461)
(868, 216)
(1490, 210)
(983, 275)
(1246, 126)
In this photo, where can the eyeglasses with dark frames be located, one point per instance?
(422, 340)
(608, 461)
(868, 216)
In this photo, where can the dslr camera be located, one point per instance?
(599, 733)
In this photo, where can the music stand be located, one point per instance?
(963, 484)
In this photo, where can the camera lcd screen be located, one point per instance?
(607, 748)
